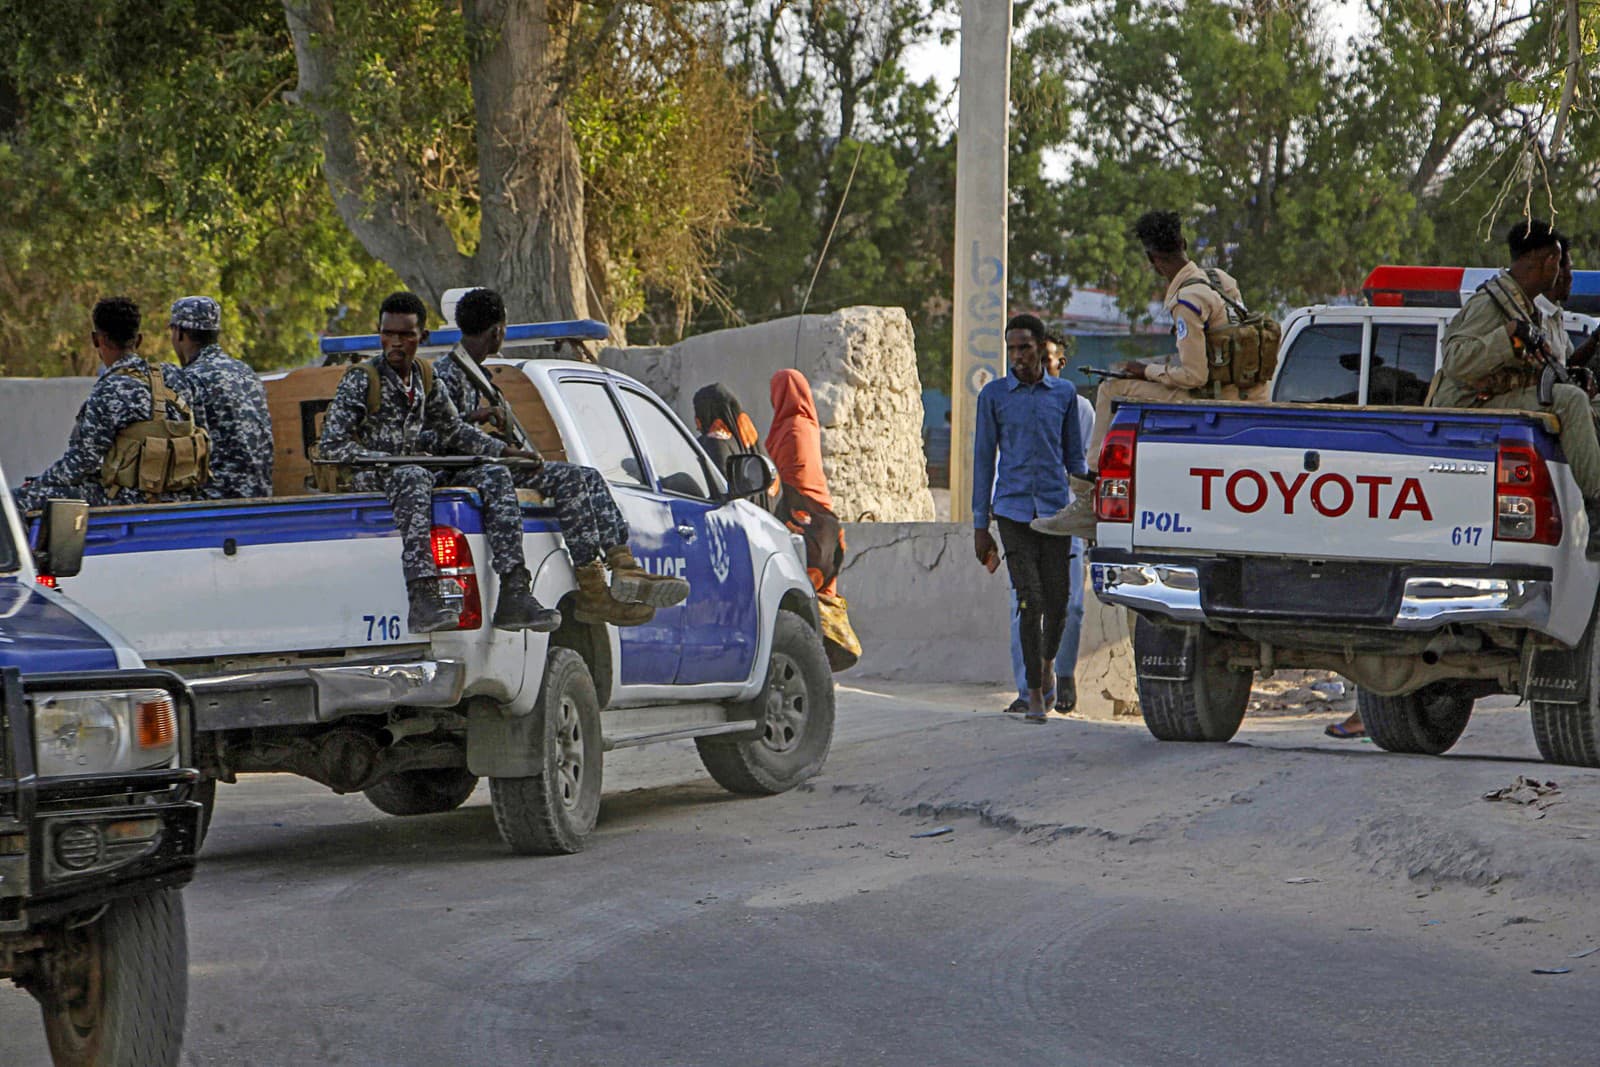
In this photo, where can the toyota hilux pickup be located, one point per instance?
(1434, 556)
(287, 616)
(98, 825)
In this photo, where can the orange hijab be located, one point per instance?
(795, 440)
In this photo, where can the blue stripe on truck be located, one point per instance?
(1443, 432)
(168, 527)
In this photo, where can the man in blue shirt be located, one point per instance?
(1026, 443)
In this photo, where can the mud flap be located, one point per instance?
(1168, 654)
(501, 745)
(1556, 675)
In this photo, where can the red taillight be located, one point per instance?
(1524, 497)
(1113, 493)
(46, 580)
(453, 556)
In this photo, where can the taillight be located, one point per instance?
(1113, 493)
(46, 580)
(1524, 497)
(453, 556)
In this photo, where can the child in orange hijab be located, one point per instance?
(795, 445)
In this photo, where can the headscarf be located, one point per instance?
(795, 440)
(716, 409)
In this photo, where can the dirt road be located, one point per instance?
(1099, 899)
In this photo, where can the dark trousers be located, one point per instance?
(1041, 573)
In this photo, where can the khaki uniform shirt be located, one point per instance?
(1476, 346)
(1554, 329)
(1194, 305)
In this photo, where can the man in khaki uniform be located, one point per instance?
(1488, 362)
(1195, 304)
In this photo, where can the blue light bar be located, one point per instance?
(575, 330)
(1585, 296)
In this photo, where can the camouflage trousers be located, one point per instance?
(32, 497)
(591, 522)
(410, 493)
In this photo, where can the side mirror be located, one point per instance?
(749, 475)
(63, 528)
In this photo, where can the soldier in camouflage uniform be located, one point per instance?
(405, 411)
(1489, 359)
(229, 399)
(120, 398)
(591, 523)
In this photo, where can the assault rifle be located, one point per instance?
(1102, 372)
(486, 389)
(1533, 341)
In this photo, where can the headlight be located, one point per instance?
(97, 733)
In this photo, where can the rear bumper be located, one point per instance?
(1410, 597)
(284, 696)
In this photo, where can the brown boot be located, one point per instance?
(632, 583)
(595, 603)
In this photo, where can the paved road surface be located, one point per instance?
(1102, 900)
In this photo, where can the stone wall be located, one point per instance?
(926, 611)
(862, 365)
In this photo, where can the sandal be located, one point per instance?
(1344, 733)
(1041, 717)
(1017, 707)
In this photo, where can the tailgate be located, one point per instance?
(219, 578)
(1387, 484)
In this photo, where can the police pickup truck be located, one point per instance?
(287, 617)
(1434, 556)
(98, 830)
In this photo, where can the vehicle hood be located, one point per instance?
(43, 632)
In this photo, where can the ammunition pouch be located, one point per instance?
(1504, 380)
(159, 455)
(1244, 351)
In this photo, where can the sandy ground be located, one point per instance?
(1097, 897)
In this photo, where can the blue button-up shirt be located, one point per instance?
(1034, 429)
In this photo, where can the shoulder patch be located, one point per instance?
(1181, 329)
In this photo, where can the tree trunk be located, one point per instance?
(392, 219)
(530, 184)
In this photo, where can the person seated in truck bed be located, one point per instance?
(230, 402)
(126, 447)
(410, 402)
(1198, 300)
(1491, 356)
(591, 523)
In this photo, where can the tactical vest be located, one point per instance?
(340, 479)
(1244, 351)
(158, 455)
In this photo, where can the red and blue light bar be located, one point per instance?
(1406, 286)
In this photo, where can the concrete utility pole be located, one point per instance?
(977, 351)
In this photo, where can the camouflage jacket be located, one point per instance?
(231, 403)
(117, 400)
(398, 427)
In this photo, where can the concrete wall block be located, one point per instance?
(862, 366)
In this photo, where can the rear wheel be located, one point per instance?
(1207, 706)
(1424, 722)
(796, 708)
(425, 792)
(114, 992)
(552, 813)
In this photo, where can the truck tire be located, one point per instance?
(425, 792)
(797, 706)
(1425, 722)
(552, 813)
(1567, 733)
(1206, 707)
(119, 996)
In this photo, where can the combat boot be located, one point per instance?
(429, 613)
(516, 608)
(632, 583)
(594, 602)
(1077, 519)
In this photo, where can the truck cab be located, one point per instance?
(1384, 353)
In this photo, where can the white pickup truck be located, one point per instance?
(287, 618)
(1433, 556)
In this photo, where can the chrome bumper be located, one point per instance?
(1426, 603)
(278, 696)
